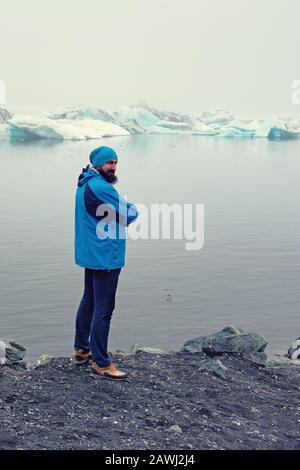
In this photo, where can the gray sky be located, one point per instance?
(184, 55)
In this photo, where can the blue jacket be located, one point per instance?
(100, 235)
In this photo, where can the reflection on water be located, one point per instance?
(247, 273)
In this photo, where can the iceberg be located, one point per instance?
(138, 119)
(282, 134)
(30, 128)
(175, 126)
(288, 130)
(83, 122)
(80, 112)
(216, 116)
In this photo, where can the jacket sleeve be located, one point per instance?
(126, 212)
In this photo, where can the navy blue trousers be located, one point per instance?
(95, 312)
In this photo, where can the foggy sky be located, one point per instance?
(181, 55)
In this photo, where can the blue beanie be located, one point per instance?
(101, 155)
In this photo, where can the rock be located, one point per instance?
(175, 429)
(11, 352)
(135, 348)
(282, 361)
(236, 423)
(150, 350)
(257, 357)
(215, 366)
(120, 352)
(44, 359)
(230, 340)
(294, 350)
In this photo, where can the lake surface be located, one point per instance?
(247, 273)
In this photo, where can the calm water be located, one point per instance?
(247, 274)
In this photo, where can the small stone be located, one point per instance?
(121, 352)
(237, 423)
(133, 348)
(44, 359)
(254, 410)
(175, 429)
(151, 350)
(214, 366)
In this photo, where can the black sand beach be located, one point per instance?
(167, 402)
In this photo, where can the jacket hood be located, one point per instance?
(87, 174)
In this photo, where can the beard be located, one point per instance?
(109, 176)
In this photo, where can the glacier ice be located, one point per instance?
(32, 127)
(277, 133)
(83, 122)
(80, 112)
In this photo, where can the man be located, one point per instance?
(101, 218)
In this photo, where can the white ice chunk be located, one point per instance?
(43, 128)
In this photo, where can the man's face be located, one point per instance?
(108, 171)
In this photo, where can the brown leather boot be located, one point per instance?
(81, 356)
(109, 372)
